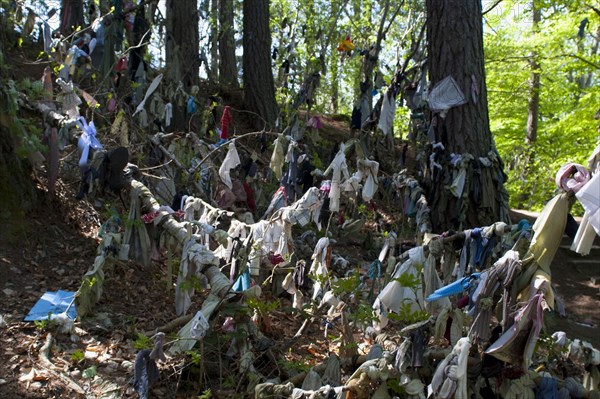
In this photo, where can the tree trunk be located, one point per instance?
(259, 88)
(214, 41)
(455, 48)
(534, 81)
(71, 16)
(182, 48)
(227, 64)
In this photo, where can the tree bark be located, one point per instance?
(534, 81)
(213, 73)
(259, 88)
(182, 48)
(227, 62)
(455, 48)
(71, 16)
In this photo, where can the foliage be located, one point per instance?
(263, 307)
(90, 372)
(346, 285)
(77, 356)
(44, 324)
(142, 342)
(569, 65)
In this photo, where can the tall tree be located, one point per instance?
(259, 88)
(71, 16)
(455, 48)
(227, 62)
(213, 71)
(182, 47)
(533, 108)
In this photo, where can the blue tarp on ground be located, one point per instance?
(52, 303)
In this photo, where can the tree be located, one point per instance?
(455, 48)
(534, 81)
(227, 62)
(566, 56)
(259, 88)
(71, 16)
(182, 49)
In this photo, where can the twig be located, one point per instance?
(52, 369)
(173, 324)
(221, 146)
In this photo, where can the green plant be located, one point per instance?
(363, 314)
(346, 285)
(207, 394)
(90, 372)
(195, 357)
(295, 365)
(77, 356)
(44, 324)
(142, 342)
(394, 385)
(263, 307)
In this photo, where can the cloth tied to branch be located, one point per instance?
(225, 122)
(572, 177)
(87, 140)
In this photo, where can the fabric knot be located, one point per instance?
(87, 140)
(572, 177)
(486, 303)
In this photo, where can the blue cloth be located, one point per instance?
(548, 389)
(87, 140)
(191, 106)
(454, 288)
(243, 282)
(52, 304)
(374, 274)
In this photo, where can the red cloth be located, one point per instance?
(275, 259)
(225, 121)
(250, 197)
(122, 64)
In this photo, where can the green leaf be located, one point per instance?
(90, 372)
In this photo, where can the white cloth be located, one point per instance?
(149, 92)
(319, 264)
(168, 114)
(589, 196)
(231, 161)
(276, 163)
(192, 252)
(304, 210)
(450, 378)
(388, 111)
(337, 167)
(394, 295)
(369, 170)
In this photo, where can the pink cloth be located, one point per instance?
(571, 177)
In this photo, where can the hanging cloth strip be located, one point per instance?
(149, 92)
(320, 257)
(433, 283)
(516, 345)
(70, 100)
(388, 111)
(277, 158)
(225, 122)
(450, 377)
(231, 161)
(337, 167)
(501, 275)
(86, 141)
